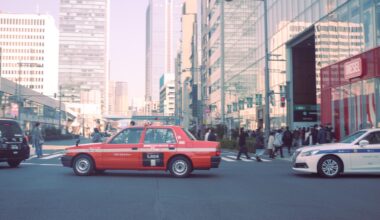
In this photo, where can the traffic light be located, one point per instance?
(283, 100)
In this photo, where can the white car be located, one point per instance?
(356, 153)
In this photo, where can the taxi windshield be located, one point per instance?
(351, 138)
(189, 134)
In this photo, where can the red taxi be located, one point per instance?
(145, 148)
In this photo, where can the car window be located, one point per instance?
(373, 138)
(9, 129)
(159, 136)
(351, 138)
(128, 136)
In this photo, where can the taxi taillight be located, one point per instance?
(218, 151)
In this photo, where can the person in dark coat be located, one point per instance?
(322, 135)
(287, 139)
(211, 136)
(242, 144)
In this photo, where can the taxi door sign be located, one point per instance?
(153, 159)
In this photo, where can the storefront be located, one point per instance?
(350, 98)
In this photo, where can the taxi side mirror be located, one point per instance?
(363, 143)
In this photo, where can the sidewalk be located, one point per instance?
(59, 144)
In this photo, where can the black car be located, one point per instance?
(14, 146)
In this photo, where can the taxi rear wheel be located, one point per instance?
(83, 165)
(329, 166)
(180, 167)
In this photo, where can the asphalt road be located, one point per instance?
(42, 189)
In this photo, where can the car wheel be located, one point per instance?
(180, 167)
(83, 165)
(329, 166)
(14, 163)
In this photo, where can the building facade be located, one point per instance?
(303, 38)
(162, 34)
(84, 56)
(228, 46)
(118, 98)
(29, 51)
(167, 94)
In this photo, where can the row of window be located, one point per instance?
(16, 36)
(6, 50)
(21, 72)
(22, 58)
(18, 21)
(23, 44)
(17, 65)
(342, 36)
(23, 30)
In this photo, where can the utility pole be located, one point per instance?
(222, 98)
(59, 111)
(267, 84)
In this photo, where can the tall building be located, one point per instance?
(163, 25)
(118, 98)
(29, 51)
(228, 46)
(167, 94)
(303, 39)
(83, 57)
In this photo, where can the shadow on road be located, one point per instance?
(343, 176)
(147, 175)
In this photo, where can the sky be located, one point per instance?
(127, 36)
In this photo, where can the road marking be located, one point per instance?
(51, 156)
(228, 159)
(34, 156)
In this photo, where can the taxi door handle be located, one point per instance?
(171, 148)
(134, 148)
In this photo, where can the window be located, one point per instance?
(373, 138)
(159, 136)
(128, 136)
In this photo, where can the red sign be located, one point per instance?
(353, 68)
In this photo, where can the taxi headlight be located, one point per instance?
(309, 153)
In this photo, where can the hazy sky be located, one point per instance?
(127, 36)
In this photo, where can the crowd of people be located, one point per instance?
(279, 139)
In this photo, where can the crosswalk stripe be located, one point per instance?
(227, 159)
(51, 156)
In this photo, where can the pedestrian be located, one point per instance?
(96, 136)
(242, 144)
(278, 142)
(321, 135)
(329, 134)
(208, 130)
(296, 135)
(37, 139)
(314, 134)
(308, 137)
(271, 145)
(287, 139)
(211, 136)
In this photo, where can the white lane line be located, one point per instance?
(227, 159)
(51, 156)
(42, 164)
(34, 156)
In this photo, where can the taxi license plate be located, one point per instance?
(14, 147)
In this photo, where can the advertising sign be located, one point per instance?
(353, 68)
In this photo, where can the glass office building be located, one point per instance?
(305, 36)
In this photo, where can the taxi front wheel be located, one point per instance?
(329, 166)
(180, 167)
(83, 165)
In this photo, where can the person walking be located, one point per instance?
(287, 139)
(96, 136)
(242, 144)
(211, 136)
(207, 134)
(271, 145)
(321, 135)
(278, 142)
(37, 139)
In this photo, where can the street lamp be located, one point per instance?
(266, 68)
